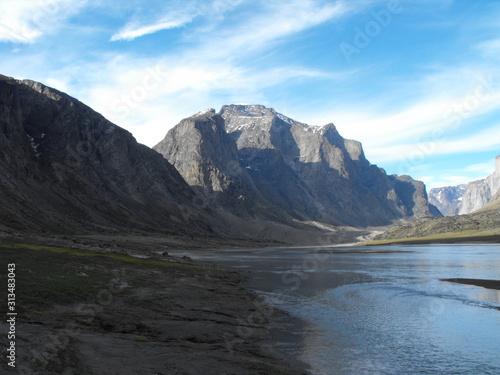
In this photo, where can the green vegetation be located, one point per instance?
(115, 256)
(486, 236)
(45, 277)
(48, 275)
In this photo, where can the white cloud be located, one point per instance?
(175, 14)
(455, 177)
(442, 105)
(411, 154)
(58, 84)
(133, 30)
(277, 20)
(485, 168)
(490, 48)
(487, 139)
(24, 21)
(148, 97)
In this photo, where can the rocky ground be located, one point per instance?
(87, 308)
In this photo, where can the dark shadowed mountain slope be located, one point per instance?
(65, 168)
(257, 162)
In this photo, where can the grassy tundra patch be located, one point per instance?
(47, 275)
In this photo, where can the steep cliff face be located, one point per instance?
(245, 171)
(479, 193)
(295, 171)
(64, 168)
(493, 205)
(465, 199)
(447, 199)
(208, 159)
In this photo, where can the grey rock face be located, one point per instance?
(207, 157)
(293, 170)
(465, 199)
(64, 168)
(447, 199)
(479, 193)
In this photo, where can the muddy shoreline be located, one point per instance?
(100, 307)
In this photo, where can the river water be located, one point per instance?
(381, 310)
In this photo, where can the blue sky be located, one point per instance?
(417, 82)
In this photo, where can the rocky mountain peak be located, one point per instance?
(247, 110)
(239, 115)
(245, 170)
(42, 89)
(202, 113)
(282, 165)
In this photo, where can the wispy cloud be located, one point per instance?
(485, 168)
(490, 48)
(212, 71)
(408, 153)
(24, 21)
(163, 19)
(443, 104)
(156, 94)
(275, 21)
(173, 15)
(449, 180)
(132, 31)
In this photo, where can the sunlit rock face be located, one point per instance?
(255, 161)
(479, 193)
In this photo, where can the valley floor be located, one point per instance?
(107, 312)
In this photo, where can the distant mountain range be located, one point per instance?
(465, 199)
(257, 163)
(482, 197)
(246, 171)
(447, 199)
